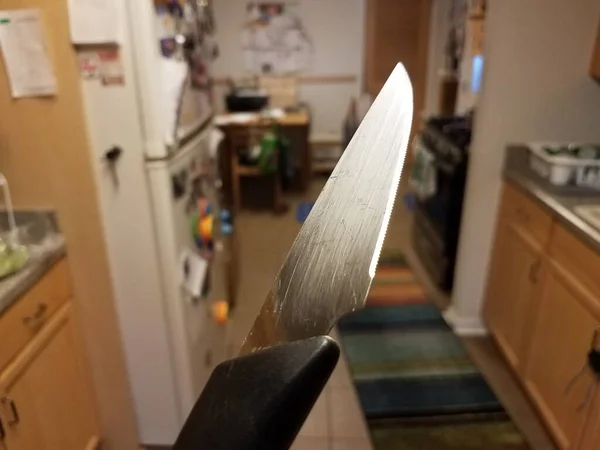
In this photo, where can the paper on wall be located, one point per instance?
(274, 38)
(94, 21)
(25, 53)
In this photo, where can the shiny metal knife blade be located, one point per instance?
(330, 266)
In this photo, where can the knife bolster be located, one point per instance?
(261, 400)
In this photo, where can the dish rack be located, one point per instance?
(564, 170)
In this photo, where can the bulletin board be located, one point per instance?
(325, 46)
(274, 38)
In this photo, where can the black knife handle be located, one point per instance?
(261, 400)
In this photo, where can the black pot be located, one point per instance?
(246, 102)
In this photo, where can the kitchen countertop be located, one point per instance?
(42, 256)
(560, 204)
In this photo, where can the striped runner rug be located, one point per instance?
(417, 386)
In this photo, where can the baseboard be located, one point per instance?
(464, 326)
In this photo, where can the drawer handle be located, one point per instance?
(33, 321)
(13, 409)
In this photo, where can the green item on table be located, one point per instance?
(268, 149)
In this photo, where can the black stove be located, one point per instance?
(437, 218)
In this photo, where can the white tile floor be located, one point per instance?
(336, 422)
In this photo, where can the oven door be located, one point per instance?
(435, 191)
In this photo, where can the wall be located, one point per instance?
(337, 29)
(535, 87)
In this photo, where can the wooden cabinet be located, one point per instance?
(563, 334)
(45, 399)
(591, 434)
(514, 275)
(46, 402)
(543, 308)
(23, 320)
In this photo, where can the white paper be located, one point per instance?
(234, 118)
(174, 80)
(215, 139)
(25, 53)
(94, 21)
(192, 272)
(273, 113)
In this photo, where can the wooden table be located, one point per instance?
(295, 126)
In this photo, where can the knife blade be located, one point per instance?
(330, 266)
(259, 400)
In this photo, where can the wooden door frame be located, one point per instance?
(423, 52)
(369, 43)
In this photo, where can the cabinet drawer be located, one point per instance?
(526, 213)
(578, 259)
(20, 323)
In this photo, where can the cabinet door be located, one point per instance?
(591, 433)
(21, 430)
(513, 277)
(46, 401)
(563, 334)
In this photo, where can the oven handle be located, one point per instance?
(444, 166)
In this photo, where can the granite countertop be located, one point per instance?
(43, 254)
(561, 202)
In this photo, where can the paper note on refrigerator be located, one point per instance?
(193, 269)
(94, 21)
(25, 53)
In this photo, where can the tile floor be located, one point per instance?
(336, 422)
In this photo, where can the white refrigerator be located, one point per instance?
(170, 342)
